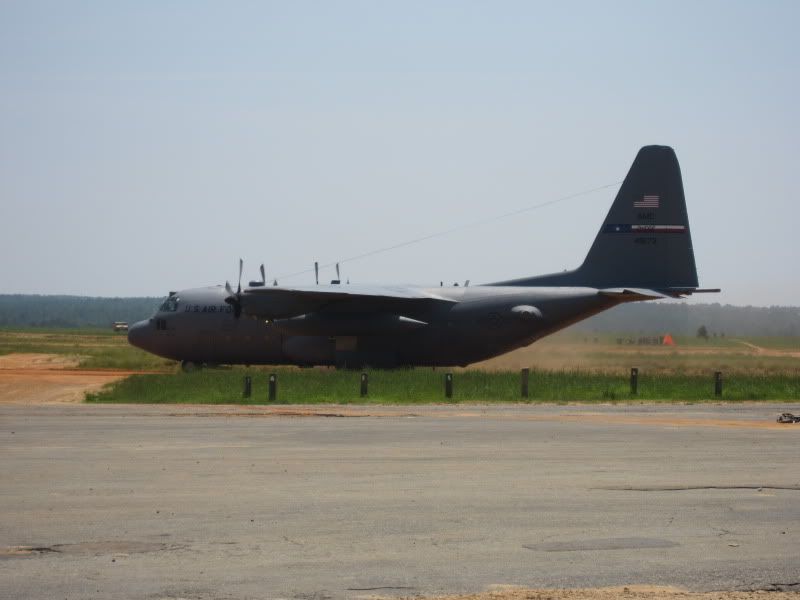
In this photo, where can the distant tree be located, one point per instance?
(17, 310)
(702, 332)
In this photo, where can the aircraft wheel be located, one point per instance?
(188, 366)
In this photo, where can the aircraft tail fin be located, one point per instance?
(644, 241)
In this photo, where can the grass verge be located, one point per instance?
(420, 386)
(95, 349)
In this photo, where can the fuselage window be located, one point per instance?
(161, 324)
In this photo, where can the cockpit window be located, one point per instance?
(169, 305)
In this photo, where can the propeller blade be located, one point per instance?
(337, 272)
(316, 272)
(263, 275)
(235, 299)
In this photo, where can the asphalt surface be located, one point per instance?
(207, 502)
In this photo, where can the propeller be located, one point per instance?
(337, 273)
(263, 281)
(235, 300)
(316, 272)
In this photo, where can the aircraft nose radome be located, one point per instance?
(137, 334)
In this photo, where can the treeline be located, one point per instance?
(20, 310)
(685, 319)
(646, 318)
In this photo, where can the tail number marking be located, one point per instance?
(628, 228)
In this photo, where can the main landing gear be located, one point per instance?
(187, 366)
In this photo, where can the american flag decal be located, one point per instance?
(647, 201)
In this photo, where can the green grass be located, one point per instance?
(94, 349)
(418, 386)
(128, 358)
(103, 348)
(73, 331)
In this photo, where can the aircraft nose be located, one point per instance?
(138, 334)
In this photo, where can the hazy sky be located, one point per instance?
(145, 147)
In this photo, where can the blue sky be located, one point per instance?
(146, 146)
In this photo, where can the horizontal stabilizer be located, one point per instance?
(626, 294)
(690, 291)
(682, 292)
(631, 294)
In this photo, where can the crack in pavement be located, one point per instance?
(382, 587)
(779, 587)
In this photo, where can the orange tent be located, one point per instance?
(668, 341)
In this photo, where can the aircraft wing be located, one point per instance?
(283, 302)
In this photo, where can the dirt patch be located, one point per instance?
(527, 413)
(632, 592)
(38, 361)
(569, 354)
(768, 351)
(674, 421)
(49, 378)
(232, 410)
(88, 548)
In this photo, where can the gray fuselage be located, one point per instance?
(197, 326)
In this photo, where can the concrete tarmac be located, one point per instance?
(157, 502)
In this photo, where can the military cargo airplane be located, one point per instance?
(643, 251)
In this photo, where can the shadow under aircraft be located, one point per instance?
(643, 251)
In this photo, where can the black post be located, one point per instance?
(634, 380)
(524, 382)
(718, 383)
(273, 387)
(248, 386)
(364, 383)
(448, 385)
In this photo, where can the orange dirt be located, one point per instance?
(471, 411)
(633, 592)
(49, 378)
